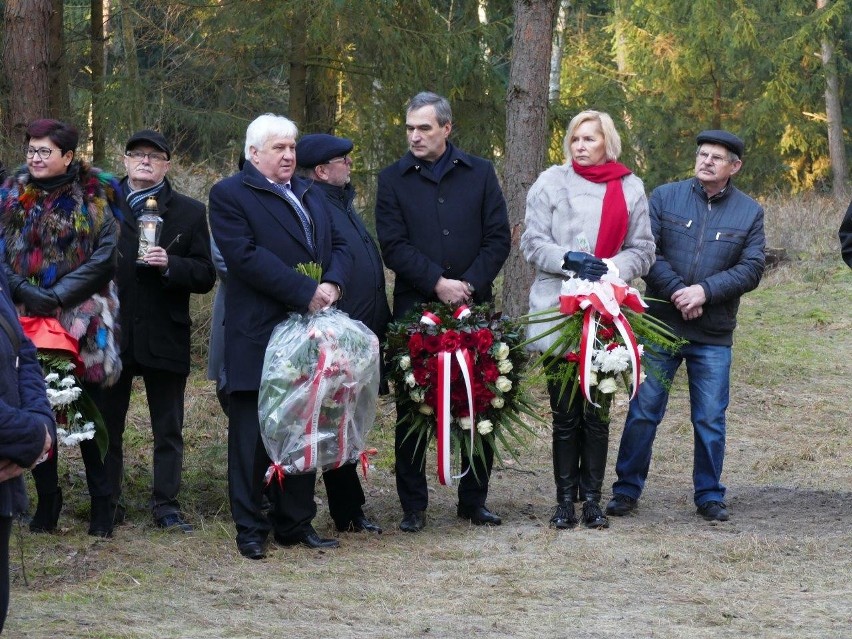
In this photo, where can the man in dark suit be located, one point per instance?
(265, 222)
(443, 228)
(325, 159)
(154, 316)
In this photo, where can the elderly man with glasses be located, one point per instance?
(154, 291)
(710, 252)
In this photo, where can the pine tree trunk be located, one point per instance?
(97, 64)
(60, 101)
(526, 133)
(298, 71)
(834, 115)
(133, 89)
(26, 60)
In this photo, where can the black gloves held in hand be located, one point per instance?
(586, 266)
(37, 300)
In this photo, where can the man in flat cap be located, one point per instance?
(325, 159)
(154, 296)
(710, 252)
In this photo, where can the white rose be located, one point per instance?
(501, 351)
(503, 384)
(484, 427)
(465, 423)
(498, 402)
(608, 386)
(417, 395)
(504, 366)
(425, 409)
(593, 378)
(405, 362)
(409, 379)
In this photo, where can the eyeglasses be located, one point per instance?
(43, 152)
(711, 158)
(345, 159)
(152, 157)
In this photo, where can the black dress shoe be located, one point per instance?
(252, 550)
(413, 521)
(358, 524)
(479, 516)
(310, 539)
(174, 522)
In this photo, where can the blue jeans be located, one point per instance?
(708, 370)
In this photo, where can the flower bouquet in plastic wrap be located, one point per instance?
(318, 392)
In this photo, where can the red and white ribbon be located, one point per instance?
(604, 300)
(444, 415)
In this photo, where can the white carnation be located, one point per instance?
(409, 379)
(504, 366)
(465, 423)
(484, 427)
(405, 362)
(498, 402)
(608, 386)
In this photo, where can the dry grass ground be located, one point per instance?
(779, 569)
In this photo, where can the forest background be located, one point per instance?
(776, 72)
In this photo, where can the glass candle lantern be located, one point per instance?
(150, 225)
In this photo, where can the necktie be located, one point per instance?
(287, 192)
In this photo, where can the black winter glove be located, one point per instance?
(586, 266)
(37, 300)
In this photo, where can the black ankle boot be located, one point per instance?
(101, 518)
(47, 512)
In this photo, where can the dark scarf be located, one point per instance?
(53, 183)
(136, 199)
(613, 227)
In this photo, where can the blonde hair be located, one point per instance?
(612, 140)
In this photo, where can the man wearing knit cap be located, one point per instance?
(710, 252)
(325, 159)
(154, 293)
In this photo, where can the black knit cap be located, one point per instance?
(727, 140)
(154, 138)
(318, 148)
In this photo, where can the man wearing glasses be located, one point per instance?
(710, 252)
(325, 159)
(154, 292)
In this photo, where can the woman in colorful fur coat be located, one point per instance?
(58, 247)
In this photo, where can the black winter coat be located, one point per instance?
(155, 321)
(456, 227)
(365, 299)
(261, 240)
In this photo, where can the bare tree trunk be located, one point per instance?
(298, 71)
(554, 86)
(133, 88)
(59, 100)
(26, 60)
(526, 132)
(97, 63)
(834, 115)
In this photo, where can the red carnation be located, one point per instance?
(606, 333)
(467, 339)
(572, 357)
(490, 372)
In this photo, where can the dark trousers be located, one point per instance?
(293, 506)
(345, 495)
(46, 474)
(164, 391)
(411, 474)
(5, 533)
(580, 441)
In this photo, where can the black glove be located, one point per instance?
(585, 265)
(37, 300)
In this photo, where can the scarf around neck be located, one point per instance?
(613, 228)
(53, 183)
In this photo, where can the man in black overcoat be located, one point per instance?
(265, 222)
(155, 326)
(443, 228)
(325, 159)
